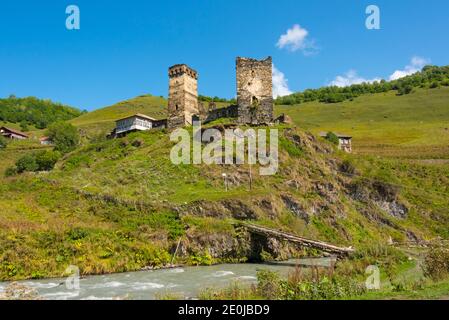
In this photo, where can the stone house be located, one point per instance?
(12, 134)
(344, 141)
(137, 122)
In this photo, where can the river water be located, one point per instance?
(184, 282)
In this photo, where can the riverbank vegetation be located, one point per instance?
(420, 277)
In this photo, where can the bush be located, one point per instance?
(434, 85)
(348, 167)
(40, 161)
(24, 126)
(11, 171)
(27, 163)
(46, 160)
(314, 284)
(407, 89)
(269, 284)
(64, 135)
(200, 259)
(436, 263)
(332, 137)
(3, 142)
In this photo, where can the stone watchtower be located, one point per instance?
(254, 91)
(183, 96)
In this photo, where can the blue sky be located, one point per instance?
(124, 48)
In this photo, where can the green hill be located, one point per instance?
(34, 112)
(120, 205)
(410, 126)
(407, 126)
(429, 77)
(103, 120)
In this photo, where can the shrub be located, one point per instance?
(3, 142)
(332, 137)
(348, 167)
(407, 89)
(24, 126)
(268, 284)
(64, 135)
(46, 160)
(200, 259)
(27, 163)
(434, 85)
(436, 263)
(77, 234)
(299, 286)
(292, 149)
(137, 142)
(40, 161)
(11, 171)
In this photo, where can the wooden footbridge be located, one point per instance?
(280, 235)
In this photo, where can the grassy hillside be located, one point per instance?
(121, 205)
(103, 120)
(411, 126)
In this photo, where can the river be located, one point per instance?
(185, 282)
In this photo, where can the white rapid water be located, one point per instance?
(185, 282)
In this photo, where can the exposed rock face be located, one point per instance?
(219, 245)
(183, 96)
(296, 208)
(254, 91)
(225, 208)
(393, 208)
(383, 195)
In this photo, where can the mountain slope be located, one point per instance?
(411, 126)
(103, 120)
(121, 205)
(35, 112)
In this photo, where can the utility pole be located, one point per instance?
(250, 177)
(225, 181)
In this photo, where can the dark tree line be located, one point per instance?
(34, 111)
(215, 99)
(429, 77)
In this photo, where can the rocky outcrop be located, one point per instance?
(383, 195)
(220, 209)
(295, 208)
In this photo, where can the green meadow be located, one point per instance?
(384, 124)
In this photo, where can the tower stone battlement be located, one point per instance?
(182, 96)
(254, 90)
(180, 69)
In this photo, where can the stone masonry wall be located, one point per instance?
(183, 96)
(254, 91)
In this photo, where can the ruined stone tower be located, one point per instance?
(254, 91)
(183, 96)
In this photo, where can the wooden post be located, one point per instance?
(176, 251)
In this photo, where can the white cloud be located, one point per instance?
(280, 84)
(416, 65)
(296, 39)
(349, 78)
